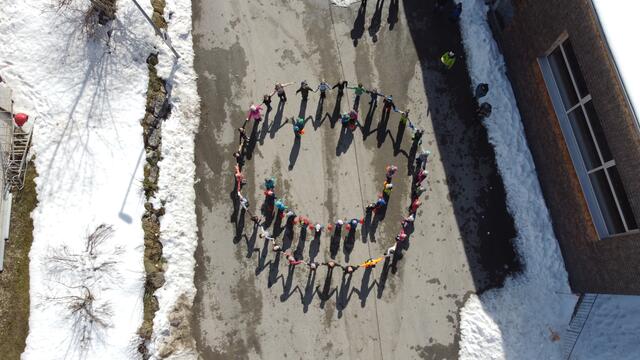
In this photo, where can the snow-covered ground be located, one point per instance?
(612, 330)
(89, 97)
(177, 171)
(527, 317)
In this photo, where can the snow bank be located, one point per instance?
(520, 320)
(178, 228)
(612, 330)
(89, 97)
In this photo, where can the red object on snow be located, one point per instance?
(20, 119)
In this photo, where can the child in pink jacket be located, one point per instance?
(254, 113)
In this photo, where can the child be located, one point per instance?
(448, 59)
(421, 160)
(243, 201)
(331, 264)
(240, 178)
(304, 90)
(481, 90)
(344, 118)
(313, 266)
(414, 206)
(298, 127)
(387, 190)
(340, 85)
(353, 120)
(266, 99)
(349, 269)
(254, 113)
(484, 111)
(420, 176)
(404, 117)
(358, 90)
(279, 89)
(269, 183)
(292, 260)
(417, 191)
(407, 221)
(354, 224)
(388, 104)
(417, 137)
(280, 205)
(323, 87)
(390, 251)
(374, 96)
(391, 171)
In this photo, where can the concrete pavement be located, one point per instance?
(249, 306)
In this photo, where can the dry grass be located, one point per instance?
(14, 281)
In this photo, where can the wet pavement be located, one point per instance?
(250, 305)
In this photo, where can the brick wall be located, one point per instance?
(610, 265)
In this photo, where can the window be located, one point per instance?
(590, 152)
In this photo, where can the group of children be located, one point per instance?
(350, 225)
(350, 120)
(283, 211)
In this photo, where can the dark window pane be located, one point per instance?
(561, 75)
(607, 203)
(597, 132)
(584, 138)
(622, 198)
(575, 69)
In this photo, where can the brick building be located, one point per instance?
(583, 133)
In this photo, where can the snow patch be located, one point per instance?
(89, 97)
(612, 330)
(523, 319)
(344, 3)
(178, 228)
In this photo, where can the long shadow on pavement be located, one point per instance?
(487, 235)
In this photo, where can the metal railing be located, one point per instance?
(578, 321)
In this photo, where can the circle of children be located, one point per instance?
(290, 218)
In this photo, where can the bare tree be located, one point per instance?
(92, 265)
(84, 273)
(96, 12)
(89, 318)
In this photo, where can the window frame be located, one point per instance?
(597, 214)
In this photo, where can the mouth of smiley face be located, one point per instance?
(277, 222)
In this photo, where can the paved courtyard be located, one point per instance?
(249, 305)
